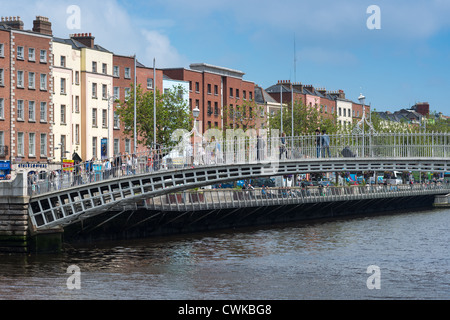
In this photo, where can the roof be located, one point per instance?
(76, 45)
(261, 96)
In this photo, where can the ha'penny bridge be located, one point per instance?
(161, 189)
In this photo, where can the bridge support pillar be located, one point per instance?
(16, 233)
(442, 201)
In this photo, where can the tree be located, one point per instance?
(248, 115)
(172, 113)
(306, 120)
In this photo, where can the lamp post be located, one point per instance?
(361, 99)
(196, 114)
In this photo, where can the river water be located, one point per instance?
(314, 260)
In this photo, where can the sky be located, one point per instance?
(395, 56)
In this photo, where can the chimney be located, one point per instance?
(85, 38)
(42, 25)
(13, 22)
(322, 91)
(341, 94)
(309, 87)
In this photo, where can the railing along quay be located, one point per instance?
(242, 150)
(212, 199)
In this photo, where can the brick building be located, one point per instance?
(26, 110)
(123, 81)
(211, 88)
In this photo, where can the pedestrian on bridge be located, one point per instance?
(325, 143)
(318, 142)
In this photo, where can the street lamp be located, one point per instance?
(361, 99)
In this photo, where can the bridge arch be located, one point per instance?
(68, 206)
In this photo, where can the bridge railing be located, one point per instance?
(246, 149)
(233, 198)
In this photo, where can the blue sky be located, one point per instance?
(404, 62)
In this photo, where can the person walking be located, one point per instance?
(318, 142)
(325, 144)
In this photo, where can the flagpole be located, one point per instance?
(154, 102)
(135, 151)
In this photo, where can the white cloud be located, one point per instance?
(158, 46)
(109, 22)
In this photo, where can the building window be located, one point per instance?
(127, 73)
(94, 117)
(20, 110)
(63, 86)
(20, 79)
(2, 108)
(43, 56)
(94, 90)
(31, 111)
(77, 134)
(43, 112)
(1, 77)
(31, 54)
(116, 121)
(94, 147)
(127, 93)
(77, 77)
(31, 80)
(231, 92)
(20, 55)
(116, 146)
(94, 66)
(104, 91)
(104, 118)
(63, 61)
(149, 83)
(43, 145)
(116, 93)
(77, 104)
(127, 145)
(216, 90)
(20, 144)
(197, 87)
(250, 95)
(209, 88)
(2, 142)
(32, 144)
(63, 114)
(43, 85)
(104, 68)
(116, 72)
(209, 108)
(63, 146)
(237, 93)
(2, 50)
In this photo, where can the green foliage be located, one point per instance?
(248, 115)
(306, 120)
(172, 113)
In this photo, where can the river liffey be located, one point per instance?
(395, 256)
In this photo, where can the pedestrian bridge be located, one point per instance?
(83, 193)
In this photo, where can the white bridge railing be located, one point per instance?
(242, 148)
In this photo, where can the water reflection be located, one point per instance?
(321, 260)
